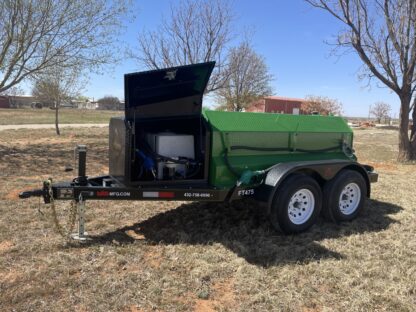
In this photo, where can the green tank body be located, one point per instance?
(256, 141)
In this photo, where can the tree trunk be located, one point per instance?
(56, 118)
(413, 132)
(407, 152)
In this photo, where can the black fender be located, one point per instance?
(321, 170)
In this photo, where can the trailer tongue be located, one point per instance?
(167, 148)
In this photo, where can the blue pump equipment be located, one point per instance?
(148, 162)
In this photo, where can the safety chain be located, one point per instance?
(72, 216)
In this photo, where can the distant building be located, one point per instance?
(85, 104)
(16, 101)
(277, 104)
(110, 106)
(4, 102)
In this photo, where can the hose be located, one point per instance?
(154, 157)
(195, 172)
(282, 149)
(269, 149)
(165, 158)
(227, 163)
(140, 173)
(261, 149)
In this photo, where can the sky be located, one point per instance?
(290, 35)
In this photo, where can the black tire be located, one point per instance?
(282, 208)
(344, 185)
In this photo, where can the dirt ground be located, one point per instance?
(169, 256)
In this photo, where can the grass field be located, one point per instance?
(168, 256)
(47, 116)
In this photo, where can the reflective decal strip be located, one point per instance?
(151, 194)
(166, 194)
(158, 194)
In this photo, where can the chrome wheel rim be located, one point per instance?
(349, 199)
(301, 206)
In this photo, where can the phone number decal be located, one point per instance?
(198, 195)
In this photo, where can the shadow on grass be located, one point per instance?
(243, 227)
(44, 158)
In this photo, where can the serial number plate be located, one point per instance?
(65, 193)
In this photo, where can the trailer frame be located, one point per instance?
(83, 188)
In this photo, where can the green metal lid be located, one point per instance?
(175, 91)
(267, 122)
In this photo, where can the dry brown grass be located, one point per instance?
(25, 116)
(168, 256)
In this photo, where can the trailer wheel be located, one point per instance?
(344, 196)
(296, 204)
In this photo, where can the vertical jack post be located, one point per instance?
(81, 235)
(81, 150)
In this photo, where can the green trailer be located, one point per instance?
(166, 147)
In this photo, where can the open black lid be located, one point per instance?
(175, 91)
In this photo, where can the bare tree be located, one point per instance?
(383, 34)
(194, 32)
(36, 35)
(57, 86)
(109, 102)
(247, 81)
(380, 110)
(322, 105)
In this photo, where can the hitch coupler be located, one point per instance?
(43, 192)
(32, 193)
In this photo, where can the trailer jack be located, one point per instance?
(81, 151)
(77, 204)
(81, 236)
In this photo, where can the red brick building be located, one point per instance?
(16, 101)
(4, 102)
(277, 104)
